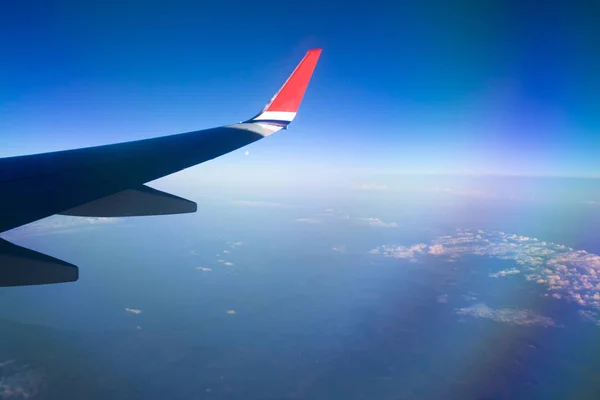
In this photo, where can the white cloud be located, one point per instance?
(332, 215)
(309, 220)
(376, 222)
(437, 250)
(442, 298)
(21, 382)
(133, 310)
(204, 269)
(566, 273)
(231, 312)
(505, 272)
(236, 244)
(507, 315)
(228, 263)
(226, 251)
(339, 249)
(401, 251)
(588, 315)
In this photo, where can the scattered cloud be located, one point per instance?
(20, 381)
(507, 315)
(339, 249)
(309, 220)
(591, 316)
(256, 203)
(133, 310)
(505, 272)
(220, 261)
(333, 215)
(376, 222)
(231, 312)
(228, 263)
(566, 273)
(401, 251)
(225, 251)
(204, 269)
(236, 244)
(246, 153)
(442, 298)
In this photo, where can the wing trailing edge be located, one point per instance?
(137, 202)
(23, 267)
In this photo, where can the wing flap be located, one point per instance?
(137, 202)
(22, 267)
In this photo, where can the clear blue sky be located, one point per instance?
(502, 87)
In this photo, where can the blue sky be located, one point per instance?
(441, 87)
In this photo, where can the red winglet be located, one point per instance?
(288, 98)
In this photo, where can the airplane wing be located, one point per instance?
(108, 181)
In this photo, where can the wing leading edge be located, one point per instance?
(108, 180)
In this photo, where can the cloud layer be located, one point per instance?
(507, 315)
(566, 273)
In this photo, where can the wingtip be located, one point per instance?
(282, 108)
(289, 97)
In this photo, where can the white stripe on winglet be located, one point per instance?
(270, 129)
(276, 116)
